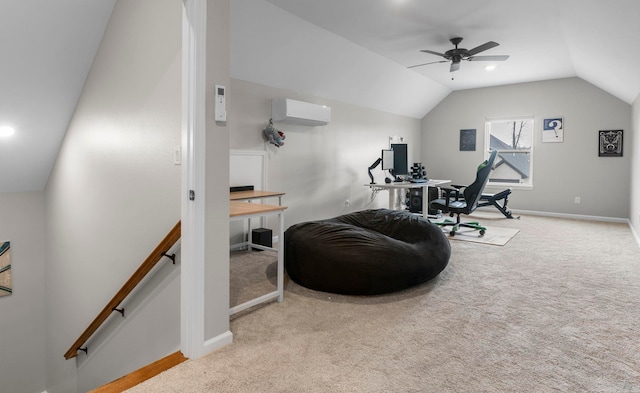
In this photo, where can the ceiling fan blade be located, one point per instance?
(455, 66)
(424, 64)
(432, 52)
(489, 58)
(482, 48)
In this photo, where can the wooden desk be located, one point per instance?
(240, 210)
(255, 194)
(248, 210)
(394, 186)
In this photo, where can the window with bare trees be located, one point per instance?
(513, 139)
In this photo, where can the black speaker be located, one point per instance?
(414, 199)
(262, 236)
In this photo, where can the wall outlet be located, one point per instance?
(576, 200)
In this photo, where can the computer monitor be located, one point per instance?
(387, 159)
(400, 159)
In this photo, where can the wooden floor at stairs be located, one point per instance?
(141, 375)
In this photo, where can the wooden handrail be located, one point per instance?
(156, 255)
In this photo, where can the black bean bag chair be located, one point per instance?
(368, 252)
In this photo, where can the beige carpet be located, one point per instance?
(554, 310)
(497, 236)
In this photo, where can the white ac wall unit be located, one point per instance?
(292, 111)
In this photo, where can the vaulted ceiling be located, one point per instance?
(545, 39)
(356, 51)
(360, 41)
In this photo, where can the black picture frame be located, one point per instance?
(610, 143)
(468, 140)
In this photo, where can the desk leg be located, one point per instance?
(392, 198)
(249, 239)
(425, 201)
(280, 279)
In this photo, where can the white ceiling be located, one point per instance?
(545, 39)
(356, 51)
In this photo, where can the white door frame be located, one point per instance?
(194, 55)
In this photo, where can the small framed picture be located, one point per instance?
(468, 140)
(610, 143)
(553, 129)
(5, 269)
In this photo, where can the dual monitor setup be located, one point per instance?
(396, 161)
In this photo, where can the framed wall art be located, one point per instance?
(468, 140)
(553, 129)
(610, 143)
(5, 269)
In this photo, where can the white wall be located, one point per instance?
(112, 196)
(22, 314)
(321, 167)
(561, 171)
(635, 171)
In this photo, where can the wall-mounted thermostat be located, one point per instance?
(220, 105)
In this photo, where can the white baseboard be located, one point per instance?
(573, 216)
(218, 342)
(634, 233)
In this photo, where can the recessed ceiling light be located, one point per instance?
(6, 131)
(490, 67)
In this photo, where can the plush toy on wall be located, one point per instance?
(275, 137)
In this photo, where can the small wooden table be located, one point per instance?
(255, 194)
(249, 210)
(241, 209)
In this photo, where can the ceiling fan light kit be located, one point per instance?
(456, 55)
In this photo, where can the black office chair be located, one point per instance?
(464, 199)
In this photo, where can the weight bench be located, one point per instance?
(494, 200)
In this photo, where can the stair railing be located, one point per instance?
(156, 255)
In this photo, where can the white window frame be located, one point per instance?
(528, 184)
